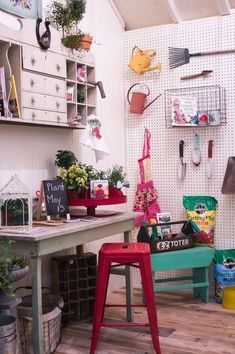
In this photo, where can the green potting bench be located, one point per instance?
(198, 259)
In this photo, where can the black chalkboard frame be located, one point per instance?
(55, 196)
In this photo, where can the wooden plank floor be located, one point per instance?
(187, 326)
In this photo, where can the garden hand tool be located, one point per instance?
(196, 153)
(182, 165)
(181, 56)
(203, 73)
(209, 164)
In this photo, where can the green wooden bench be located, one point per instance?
(197, 258)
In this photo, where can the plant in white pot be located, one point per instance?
(66, 15)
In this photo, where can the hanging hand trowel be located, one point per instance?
(181, 171)
(209, 163)
(196, 153)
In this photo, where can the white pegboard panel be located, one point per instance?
(210, 34)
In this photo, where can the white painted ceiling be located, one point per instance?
(146, 13)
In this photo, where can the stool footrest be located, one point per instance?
(124, 324)
(124, 305)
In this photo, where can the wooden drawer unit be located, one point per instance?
(39, 101)
(43, 84)
(45, 80)
(37, 60)
(37, 115)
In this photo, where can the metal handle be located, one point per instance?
(210, 145)
(32, 101)
(32, 82)
(58, 67)
(57, 87)
(138, 83)
(181, 148)
(33, 61)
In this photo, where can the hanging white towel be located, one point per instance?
(94, 139)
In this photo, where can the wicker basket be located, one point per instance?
(51, 308)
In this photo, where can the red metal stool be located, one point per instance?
(124, 254)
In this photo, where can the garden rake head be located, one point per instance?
(178, 57)
(181, 56)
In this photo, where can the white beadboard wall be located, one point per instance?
(29, 152)
(215, 33)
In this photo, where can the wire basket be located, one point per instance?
(210, 99)
(52, 306)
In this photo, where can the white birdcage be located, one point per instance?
(15, 195)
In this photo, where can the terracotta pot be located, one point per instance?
(76, 42)
(86, 42)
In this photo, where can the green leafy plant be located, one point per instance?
(66, 16)
(92, 173)
(65, 159)
(75, 176)
(8, 264)
(115, 174)
(80, 95)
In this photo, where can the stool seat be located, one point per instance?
(124, 254)
(122, 249)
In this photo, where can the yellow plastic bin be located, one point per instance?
(228, 300)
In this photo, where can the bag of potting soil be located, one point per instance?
(224, 266)
(202, 211)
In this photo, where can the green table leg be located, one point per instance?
(200, 275)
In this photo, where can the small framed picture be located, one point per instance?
(214, 117)
(99, 189)
(166, 230)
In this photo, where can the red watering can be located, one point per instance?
(138, 100)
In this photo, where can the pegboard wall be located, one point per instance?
(210, 34)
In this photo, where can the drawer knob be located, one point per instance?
(58, 67)
(58, 118)
(33, 61)
(32, 82)
(33, 116)
(57, 104)
(57, 87)
(32, 101)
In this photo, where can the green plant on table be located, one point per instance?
(65, 159)
(92, 173)
(75, 176)
(115, 174)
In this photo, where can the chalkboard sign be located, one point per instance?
(55, 194)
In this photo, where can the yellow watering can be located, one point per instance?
(141, 60)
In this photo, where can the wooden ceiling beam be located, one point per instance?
(174, 13)
(223, 7)
(117, 13)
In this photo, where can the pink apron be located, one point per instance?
(146, 194)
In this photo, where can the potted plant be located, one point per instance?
(11, 269)
(65, 159)
(115, 174)
(66, 16)
(76, 178)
